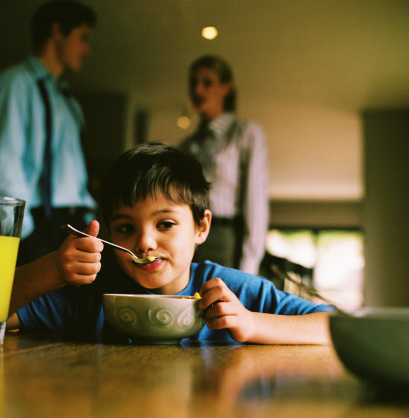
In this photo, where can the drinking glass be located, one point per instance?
(11, 220)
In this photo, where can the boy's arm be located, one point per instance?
(310, 328)
(32, 281)
(227, 312)
(76, 262)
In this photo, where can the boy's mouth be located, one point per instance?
(150, 265)
(144, 261)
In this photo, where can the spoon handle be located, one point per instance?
(285, 276)
(68, 228)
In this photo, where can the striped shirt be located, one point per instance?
(234, 157)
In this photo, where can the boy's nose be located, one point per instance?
(145, 243)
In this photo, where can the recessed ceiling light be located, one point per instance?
(184, 122)
(209, 32)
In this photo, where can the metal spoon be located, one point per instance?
(135, 259)
(285, 276)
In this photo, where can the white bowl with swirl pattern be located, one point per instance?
(153, 319)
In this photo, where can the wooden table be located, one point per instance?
(41, 376)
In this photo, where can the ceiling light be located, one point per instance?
(184, 122)
(209, 32)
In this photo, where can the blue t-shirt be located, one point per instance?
(78, 310)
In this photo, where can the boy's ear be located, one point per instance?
(204, 228)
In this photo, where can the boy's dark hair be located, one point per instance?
(224, 72)
(68, 13)
(152, 168)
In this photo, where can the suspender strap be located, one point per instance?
(47, 187)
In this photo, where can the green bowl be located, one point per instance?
(153, 319)
(373, 343)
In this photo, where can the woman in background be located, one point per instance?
(234, 155)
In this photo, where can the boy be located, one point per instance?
(156, 203)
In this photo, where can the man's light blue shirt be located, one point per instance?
(23, 137)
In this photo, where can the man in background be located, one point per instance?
(41, 153)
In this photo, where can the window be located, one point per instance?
(336, 257)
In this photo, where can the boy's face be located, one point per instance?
(158, 227)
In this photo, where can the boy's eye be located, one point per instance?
(166, 224)
(124, 229)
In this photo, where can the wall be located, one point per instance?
(105, 132)
(386, 207)
(301, 72)
(314, 153)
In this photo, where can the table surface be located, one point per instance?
(42, 376)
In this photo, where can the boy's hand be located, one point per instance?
(227, 311)
(79, 259)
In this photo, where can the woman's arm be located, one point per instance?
(255, 198)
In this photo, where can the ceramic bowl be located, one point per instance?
(153, 319)
(373, 343)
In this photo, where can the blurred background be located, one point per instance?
(328, 81)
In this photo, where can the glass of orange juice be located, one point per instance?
(11, 220)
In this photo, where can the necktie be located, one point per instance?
(47, 169)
